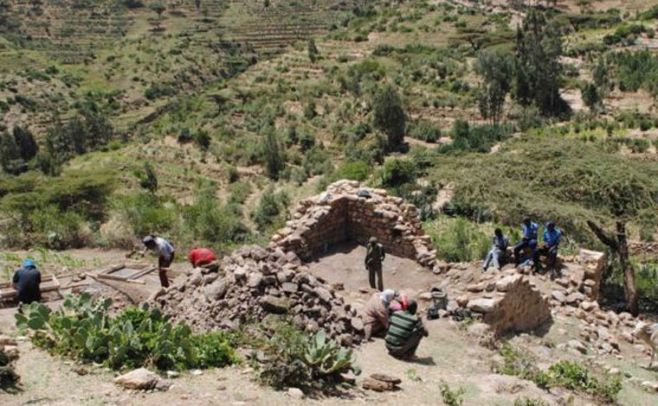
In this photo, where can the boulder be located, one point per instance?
(138, 379)
(559, 296)
(482, 305)
(274, 304)
(216, 290)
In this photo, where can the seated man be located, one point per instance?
(497, 252)
(405, 331)
(201, 256)
(26, 281)
(549, 248)
(375, 313)
(529, 240)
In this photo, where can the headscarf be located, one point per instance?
(387, 296)
(29, 263)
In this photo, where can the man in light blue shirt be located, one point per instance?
(549, 248)
(529, 240)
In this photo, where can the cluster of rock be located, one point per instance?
(583, 282)
(8, 356)
(506, 301)
(253, 283)
(347, 211)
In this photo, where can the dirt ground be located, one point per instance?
(450, 354)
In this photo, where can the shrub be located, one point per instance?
(567, 374)
(145, 214)
(293, 358)
(451, 397)
(354, 170)
(424, 130)
(147, 178)
(208, 221)
(82, 329)
(460, 242)
(529, 402)
(397, 172)
(271, 209)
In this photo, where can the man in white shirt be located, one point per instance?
(166, 255)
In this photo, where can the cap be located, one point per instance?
(28, 263)
(373, 239)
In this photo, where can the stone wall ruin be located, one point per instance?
(346, 211)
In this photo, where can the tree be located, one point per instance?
(197, 4)
(10, 156)
(626, 194)
(147, 178)
(274, 159)
(313, 52)
(26, 144)
(496, 71)
(591, 97)
(538, 71)
(159, 8)
(389, 116)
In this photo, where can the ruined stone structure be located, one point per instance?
(510, 304)
(255, 282)
(347, 211)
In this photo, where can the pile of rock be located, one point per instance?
(254, 282)
(347, 211)
(507, 302)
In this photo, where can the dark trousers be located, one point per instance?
(163, 264)
(551, 255)
(408, 349)
(375, 272)
(522, 245)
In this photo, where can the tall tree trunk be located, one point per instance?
(620, 246)
(630, 290)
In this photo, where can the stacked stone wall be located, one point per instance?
(349, 212)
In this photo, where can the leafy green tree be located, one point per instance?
(591, 97)
(274, 157)
(26, 144)
(389, 116)
(538, 71)
(10, 155)
(496, 70)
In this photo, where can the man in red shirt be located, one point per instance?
(201, 256)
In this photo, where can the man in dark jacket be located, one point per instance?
(405, 330)
(374, 257)
(26, 281)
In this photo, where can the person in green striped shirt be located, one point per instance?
(405, 330)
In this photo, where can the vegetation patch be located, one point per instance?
(84, 330)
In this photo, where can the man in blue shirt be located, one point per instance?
(529, 240)
(552, 236)
(26, 281)
(497, 252)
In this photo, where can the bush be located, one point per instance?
(82, 329)
(158, 90)
(293, 358)
(567, 374)
(146, 214)
(451, 397)
(460, 242)
(354, 170)
(475, 139)
(397, 172)
(425, 131)
(271, 210)
(206, 220)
